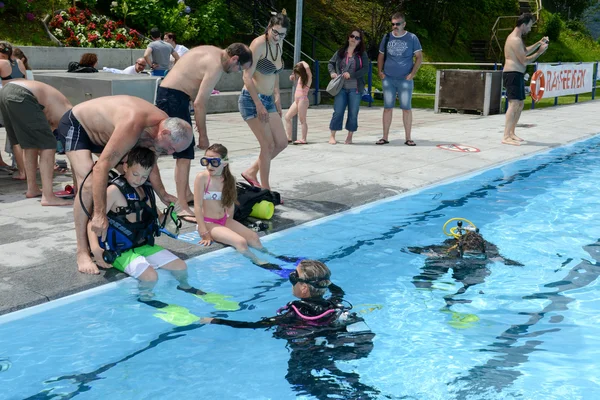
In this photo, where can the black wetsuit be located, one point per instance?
(469, 271)
(317, 344)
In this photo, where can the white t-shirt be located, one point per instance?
(130, 70)
(179, 49)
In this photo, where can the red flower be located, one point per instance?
(88, 13)
(72, 11)
(107, 35)
(121, 38)
(92, 37)
(91, 26)
(120, 23)
(130, 44)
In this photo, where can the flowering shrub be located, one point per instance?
(81, 28)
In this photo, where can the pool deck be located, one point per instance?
(37, 244)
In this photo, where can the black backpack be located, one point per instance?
(248, 196)
(385, 43)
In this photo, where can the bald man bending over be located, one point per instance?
(111, 126)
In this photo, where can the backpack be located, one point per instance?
(248, 196)
(385, 43)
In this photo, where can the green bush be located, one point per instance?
(553, 27)
(425, 79)
(578, 26)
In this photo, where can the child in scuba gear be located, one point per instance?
(319, 332)
(215, 194)
(136, 210)
(467, 254)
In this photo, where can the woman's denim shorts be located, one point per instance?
(248, 108)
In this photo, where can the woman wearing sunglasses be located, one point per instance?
(352, 62)
(319, 331)
(215, 194)
(260, 102)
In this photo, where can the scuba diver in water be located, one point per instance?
(133, 224)
(467, 253)
(319, 331)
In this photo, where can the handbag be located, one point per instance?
(335, 85)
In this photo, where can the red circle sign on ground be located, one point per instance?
(459, 147)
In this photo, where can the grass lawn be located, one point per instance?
(23, 33)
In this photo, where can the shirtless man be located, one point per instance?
(517, 57)
(31, 112)
(111, 126)
(194, 78)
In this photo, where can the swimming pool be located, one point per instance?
(529, 332)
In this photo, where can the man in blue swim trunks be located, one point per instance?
(111, 126)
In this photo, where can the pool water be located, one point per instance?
(526, 332)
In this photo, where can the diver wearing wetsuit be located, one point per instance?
(319, 332)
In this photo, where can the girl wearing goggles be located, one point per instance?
(215, 194)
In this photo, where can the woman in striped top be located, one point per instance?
(260, 103)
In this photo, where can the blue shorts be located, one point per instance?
(177, 105)
(248, 108)
(402, 87)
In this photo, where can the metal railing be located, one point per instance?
(367, 97)
(495, 48)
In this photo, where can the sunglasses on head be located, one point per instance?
(294, 278)
(215, 162)
(397, 23)
(355, 37)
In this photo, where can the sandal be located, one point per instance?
(300, 141)
(381, 141)
(250, 181)
(410, 143)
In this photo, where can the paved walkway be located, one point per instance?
(37, 244)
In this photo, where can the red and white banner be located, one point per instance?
(565, 79)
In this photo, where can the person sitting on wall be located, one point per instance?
(87, 63)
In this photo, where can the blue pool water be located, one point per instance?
(536, 334)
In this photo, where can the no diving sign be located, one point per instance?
(459, 147)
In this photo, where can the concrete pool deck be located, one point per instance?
(37, 244)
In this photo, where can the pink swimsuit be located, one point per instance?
(301, 92)
(217, 197)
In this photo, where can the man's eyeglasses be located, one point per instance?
(215, 162)
(397, 23)
(319, 283)
(277, 33)
(354, 37)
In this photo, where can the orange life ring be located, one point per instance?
(538, 85)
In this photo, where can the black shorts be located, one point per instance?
(177, 105)
(74, 137)
(514, 82)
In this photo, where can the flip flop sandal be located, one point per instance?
(251, 181)
(382, 141)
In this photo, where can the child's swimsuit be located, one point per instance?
(214, 196)
(301, 92)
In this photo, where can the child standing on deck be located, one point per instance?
(303, 77)
(215, 194)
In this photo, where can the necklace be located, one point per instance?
(270, 50)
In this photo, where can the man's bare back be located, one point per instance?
(54, 102)
(100, 116)
(188, 73)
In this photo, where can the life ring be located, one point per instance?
(538, 85)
